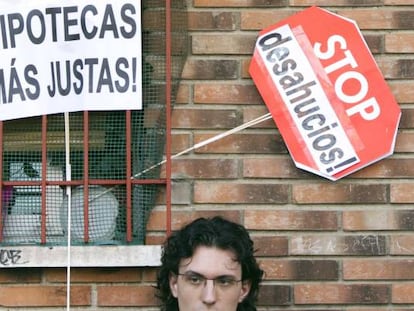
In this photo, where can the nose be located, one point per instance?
(209, 293)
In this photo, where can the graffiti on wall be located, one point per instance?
(11, 257)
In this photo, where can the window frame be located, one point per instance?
(86, 255)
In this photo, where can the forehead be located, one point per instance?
(211, 261)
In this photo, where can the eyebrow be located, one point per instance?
(191, 272)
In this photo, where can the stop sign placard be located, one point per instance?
(325, 92)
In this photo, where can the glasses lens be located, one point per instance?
(221, 282)
(194, 279)
(225, 281)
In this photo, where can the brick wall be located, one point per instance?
(344, 245)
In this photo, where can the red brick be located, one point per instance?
(290, 220)
(387, 168)
(213, 93)
(251, 113)
(331, 245)
(245, 63)
(403, 293)
(180, 142)
(396, 68)
(275, 167)
(407, 118)
(149, 274)
(154, 238)
(378, 220)
(153, 20)
(205, 118)
(376, 269)
(341, 294)
(375, 42)
(183, 94)
(388, 67)
(225, 192)
(223, 44)
(210, 69)
(324, 193)
(205, 168)
(157, 219)
(268, 246)
(31, 275)
(402, 91)
(274, 295)
(258, 20)
(404, 142)
(181, 192)
(126, 296)
(368, 220)
(300, 270)
(399, 43)
(211, 21)
(380, 18)
(44, 296)
(402, 245)
(241, 143)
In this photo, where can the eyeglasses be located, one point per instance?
(197, 280)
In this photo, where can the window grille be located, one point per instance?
(110, 152)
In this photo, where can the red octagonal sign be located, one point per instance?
(325, 92)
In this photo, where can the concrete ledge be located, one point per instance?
(80, 256)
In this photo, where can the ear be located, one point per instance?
(173, 284)
(245, 289)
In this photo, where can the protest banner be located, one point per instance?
(325, 92)
(69, 56)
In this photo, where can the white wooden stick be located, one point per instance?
(69, 215)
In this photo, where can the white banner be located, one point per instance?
(72, 55)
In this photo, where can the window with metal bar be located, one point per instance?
(114, 156)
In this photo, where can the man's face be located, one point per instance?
(210, 280)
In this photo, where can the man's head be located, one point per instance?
(209, 264)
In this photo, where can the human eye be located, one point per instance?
(225, 281)
(194, 279)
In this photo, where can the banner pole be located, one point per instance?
(69, 214)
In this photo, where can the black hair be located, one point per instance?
(211, 232)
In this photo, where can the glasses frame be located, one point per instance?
(203, 280)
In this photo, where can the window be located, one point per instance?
(114, 156)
